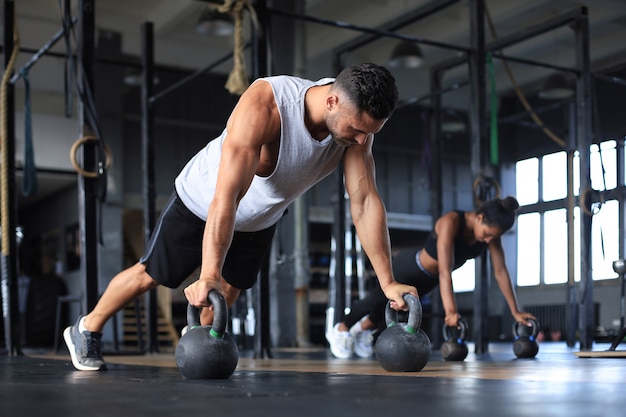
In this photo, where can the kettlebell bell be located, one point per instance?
(403, 347)
(454, 348)
(207, 352)
(525, 344)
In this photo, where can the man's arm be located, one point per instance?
(253, 123)
(370, 219)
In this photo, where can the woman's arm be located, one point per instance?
(446, 229)
(504, 282)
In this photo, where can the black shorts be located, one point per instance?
(174, 251)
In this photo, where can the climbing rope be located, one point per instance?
(4, 171)
(237, 81)
(520, 94)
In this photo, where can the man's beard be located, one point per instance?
(342, 142)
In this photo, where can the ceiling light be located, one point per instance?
(214, 23)
(556, 87)
(406, 55)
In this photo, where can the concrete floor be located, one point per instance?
(310, 382)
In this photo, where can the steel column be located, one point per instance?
(479, 160)
(261, 69)
(148, 171)
(436, 189)
(87, 187)
(584, 137)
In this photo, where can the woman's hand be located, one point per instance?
(522, 317)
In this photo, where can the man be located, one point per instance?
(284, 136)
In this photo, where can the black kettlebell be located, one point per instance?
(525, 344)
(403, 347)
(454, 348)
(207, 352)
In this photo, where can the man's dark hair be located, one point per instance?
(371, 88)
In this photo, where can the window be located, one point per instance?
(464, 278)
(528, 262)
(603, 166)
(555, 246)
(554, 176)
(542, 236)
(604, 241)
(527, 181)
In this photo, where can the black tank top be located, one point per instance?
(462, 250)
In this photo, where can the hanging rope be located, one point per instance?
(493, 108)
(519, 93)
(29, 181)
(237, 81)
(4, 176)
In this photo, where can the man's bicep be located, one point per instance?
(237, 168)
(359, 173)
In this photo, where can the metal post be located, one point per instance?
(479, 159)
(436, 192)
(87, 187)
(339, 237)
(149, 194)
(262, 69)
(336, 307)
(584, 136)
(570, 314)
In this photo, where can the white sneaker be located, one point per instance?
(341, 342)
(363, 341)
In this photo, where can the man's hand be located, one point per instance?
(197, 293)
(395, 292)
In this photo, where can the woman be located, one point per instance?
(458, 236)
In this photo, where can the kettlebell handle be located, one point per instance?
(220, 314)
(415, 314)
(535, 326)
(462, 325)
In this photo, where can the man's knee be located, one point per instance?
(142, 279)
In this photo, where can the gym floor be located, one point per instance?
(310, 382)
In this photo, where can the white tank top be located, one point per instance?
(302, 163)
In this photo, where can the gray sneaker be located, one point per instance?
(85, 348)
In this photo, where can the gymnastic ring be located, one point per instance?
(81, 141)
(491, 181)
(583, 199)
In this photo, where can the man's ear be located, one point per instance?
(332, 101)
